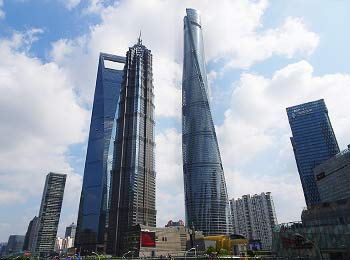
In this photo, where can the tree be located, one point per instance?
(210, 250)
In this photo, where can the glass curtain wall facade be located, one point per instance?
(49, 214)
(29, 238)
(313, 143)
(94, 200)
(133, 174)
(206, 200)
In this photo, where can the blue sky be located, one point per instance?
(262, 57)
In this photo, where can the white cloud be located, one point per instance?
(254, 138)
(289, 39)
(41, 117)
(246, 43)
(94, 7)
(70, 4)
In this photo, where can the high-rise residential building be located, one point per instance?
(133, 174)
(67, 243)
(58, 245)
(3, 246)
(333, 177)
(254, 217)
(49, 214)
(313, 143)
(71, 230)
(31, 231)
(206, 201)
(14, 244)
(93, 207)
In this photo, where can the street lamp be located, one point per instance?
(312, 242)
(195, 252)
(98, 256)
(126, 254)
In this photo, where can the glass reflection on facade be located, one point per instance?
(93, 208)
(206, 200)
(313, 143)
(133, 174)
(295, 240)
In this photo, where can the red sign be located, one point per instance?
(148, 239)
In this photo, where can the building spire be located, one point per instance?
(139, 40)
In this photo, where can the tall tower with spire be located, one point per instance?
(133, 171)
(206, 200)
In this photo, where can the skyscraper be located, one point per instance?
(133, 178)
(93, 208)
(71, 230)
(49, 214)
(206, 200)
(313, 143)
(31, 231)
(254, 217)
(14, 244)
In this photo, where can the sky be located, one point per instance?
(262, 56)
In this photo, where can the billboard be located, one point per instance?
(255, 245)
(148, 239)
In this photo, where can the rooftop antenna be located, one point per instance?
(139, 41)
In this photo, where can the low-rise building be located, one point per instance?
(333, 177)
(296, 240)
(233, 244)
(152, 241)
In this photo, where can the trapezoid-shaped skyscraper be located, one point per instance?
(206, 199)
(313, 142)
(93, 207)
(133, 175)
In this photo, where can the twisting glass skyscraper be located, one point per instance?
(313, 143)
(206, 200)
(92, 216)
(133, 174)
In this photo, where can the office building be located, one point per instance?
(67, 244)
(31, 231)
(333, 177)
(133, 174)
(313, 143)
(14, 245)
(70, 231)
(206, 200)
(58, 245)
(254, 217)
(3, 248)
(93, 207)
(49, 214)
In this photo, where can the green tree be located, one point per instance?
(251, 253)
(223, 251)
(210, 250)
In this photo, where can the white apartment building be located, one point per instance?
(254, 217)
